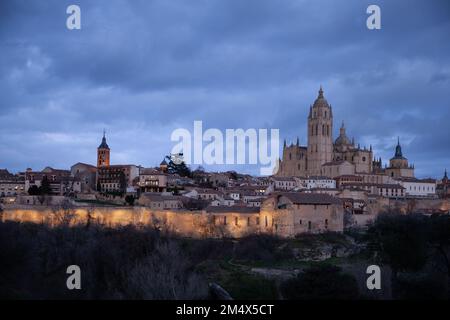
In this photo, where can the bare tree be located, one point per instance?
(64, 213)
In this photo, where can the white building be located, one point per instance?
(318, 182)
(283, 183)
(421, 188)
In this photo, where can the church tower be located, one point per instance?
(103, 153)
(320, 135)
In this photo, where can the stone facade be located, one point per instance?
(284, 214)
(324, 157)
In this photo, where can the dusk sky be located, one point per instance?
(141, 69)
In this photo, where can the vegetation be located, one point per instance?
(43, 190)
(129, 199)
(178, 168)
(417, 248)
(136, 262)
(321, 282)
(122, 263)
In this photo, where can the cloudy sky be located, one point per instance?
(143, 68)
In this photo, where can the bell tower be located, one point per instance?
(103, 153)
(320, 135)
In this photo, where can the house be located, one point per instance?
(11, 185)
(159, 201)
(86, 174)
(152, 180)
(315, 182)
(283, 183)
(292, 213)
(116, 178)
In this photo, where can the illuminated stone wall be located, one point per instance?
(183, 222)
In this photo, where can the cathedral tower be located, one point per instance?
(320, 135)
(103, 153)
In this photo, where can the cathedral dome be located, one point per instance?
(321, 102)
(342, 139)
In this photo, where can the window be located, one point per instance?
(326, 223)
(309, 225)
(300, 222)
(257, 220)
(248, 221)
(225, 220)
(236, 221)
(266, 221)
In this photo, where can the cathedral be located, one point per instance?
(324, 156)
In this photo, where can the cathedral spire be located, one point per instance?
(103, 145)
(320, 92)
(298, 142)
(398, 149)
(342, 129)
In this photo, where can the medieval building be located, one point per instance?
(103, 153)
(324, 156)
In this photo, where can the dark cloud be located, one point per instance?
(141, 69)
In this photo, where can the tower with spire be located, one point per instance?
(398, 164)
(322, 156)
(320, 135)
(103, 153)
